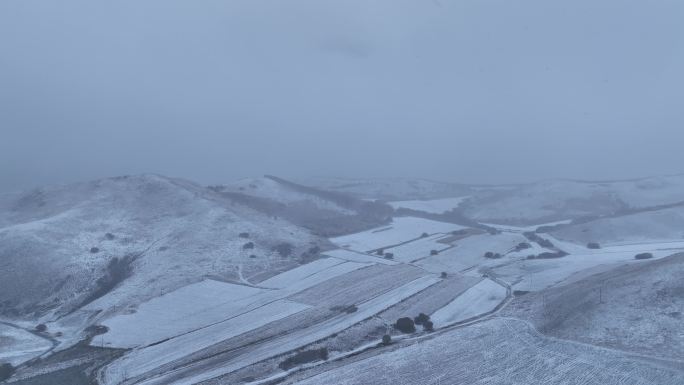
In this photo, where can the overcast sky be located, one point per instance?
(466, 90)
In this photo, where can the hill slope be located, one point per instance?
(637, 307)
(130, 238)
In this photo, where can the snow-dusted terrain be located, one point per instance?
(401, 230)
(479, 299)
(501, 352)
(154, 280)
(18, 346)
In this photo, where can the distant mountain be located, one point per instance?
(325, 213)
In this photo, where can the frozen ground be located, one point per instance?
(177, 312)
(497, 352)
(197, 297)
(18, 345)
(539, 274)
(418, 249)
(434, 206)
(294, 340)
(141, 361)
(477, 300)
(401, 230)
(636, 307)
(311, 274)
(468, 253)
(208, 303)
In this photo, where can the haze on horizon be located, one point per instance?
(466, 91)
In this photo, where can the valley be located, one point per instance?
(252, 283)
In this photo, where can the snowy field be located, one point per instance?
(468, 253)
(288, 342)
(539, 274)
(294, 275)
(477, 300)
(354, 256)
(523, 229)
(208, 302)
(401, 230)
(498, 352)
(178, 312)
(418, 249)
(18, 346)
(146, 359)
(303, 277)
(434, 206)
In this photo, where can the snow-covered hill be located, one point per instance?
(636, 307)
(326, 213)
(391, 189)
(130, 239)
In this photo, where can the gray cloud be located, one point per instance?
(472, 91)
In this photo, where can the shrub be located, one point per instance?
(41, 328)
(94, 250)
(346, 309)
(545, 243)
(284, 249)
(405, 325)
(492, 255)
(444, 274)
(593, 245)
(421, 319)
(434, 252)
(248, 246)
(6, 371)
(109, 236)
(550, 255)
(428, 326)
(389, 255)
(522, 246)
(252, 256)
(643, 256)
(304, 357)
(424, 235)
(243, 235)
(386, 339)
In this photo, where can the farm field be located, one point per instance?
(355, 256)
(177, 312)
(402, 229)
(143, 360)
(496, 352)
(467, 253)
(18, 346)
(255, 301)
(418, 249)
(539, 274)
(479, 299)
(296, 339)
